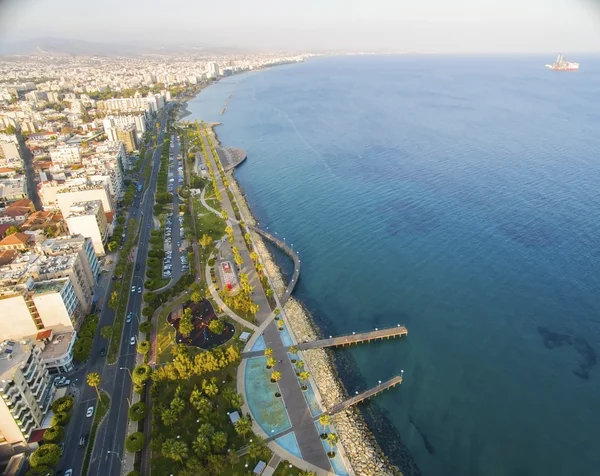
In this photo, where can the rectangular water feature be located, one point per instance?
(337, 463)
(286, 338)
(311, 400)
(268, 410)
(290, 444)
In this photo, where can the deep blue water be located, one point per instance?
(459, 196)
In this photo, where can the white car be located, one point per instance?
(139, 290)
(132, 289)
(90, 412)
(69, 472)
(132, 340)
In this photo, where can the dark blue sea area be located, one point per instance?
(459, 196)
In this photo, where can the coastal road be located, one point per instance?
(86, 396)
(108, 451)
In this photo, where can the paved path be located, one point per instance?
(258, 294)
(304, 428)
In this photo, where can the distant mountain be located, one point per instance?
(73, 47)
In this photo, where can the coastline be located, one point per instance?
(362, 449)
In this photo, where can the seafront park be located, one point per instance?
(242, 380)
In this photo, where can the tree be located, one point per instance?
(174, 449)
(177, 404)
(11, 230)
(271, 362)
(112, 245)
(216, 326)
(196, 297)
(114, 300)
(237, 400)
(211, 388)
(275, 376)
(332, 439)
(137, 411)
(243, 426)
(186, 326)
(293, 350)
(269, 352)
(205, 241)
(219, 441)
(304, 376)
(10, 129)
(232, 458)
(169, 416)
(135, 442)
(206, 429)
(325, 421)
(106, 332)
(224, 215)
(93, 380)
(299, 366)
(143, 347)
(217, 463)
(54, 434)
(42, 470)
(140, 374)
(60, 419)
(201, 445)
(146, 327)
(258, 449)
(45, 455)
(62, 404)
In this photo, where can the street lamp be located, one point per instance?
(128, 371)
(115, 453)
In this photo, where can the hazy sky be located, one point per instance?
(422, 25)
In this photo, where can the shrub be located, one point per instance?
(135, 442)
(62, 404)
(60, 419)
(45, 455)
(137, 411)
(143, 347)
(54, 434)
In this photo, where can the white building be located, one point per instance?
(12, 189)
(65, 155)
(26, 390)
(10, 156)
(213, 70)
(67, 196)
(88, 219)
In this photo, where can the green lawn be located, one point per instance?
(283, 469)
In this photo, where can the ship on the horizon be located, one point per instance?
(563, 65)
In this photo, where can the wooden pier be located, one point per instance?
(341, 341)
(355, 338)
(364, 395)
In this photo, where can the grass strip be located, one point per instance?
(101, 410)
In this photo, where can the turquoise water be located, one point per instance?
(286, 338)
(268, 411)
(259, 344)
(288, 442)
(311, 399)
(458, 196)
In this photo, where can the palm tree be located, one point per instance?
(325, 421)
(275, 376)
(174, 449)
(293, 350)
(243, 426)
(332, 439)
(93, 380)
(271, 362)
(269, 352)
(304, 376)
(299, 366)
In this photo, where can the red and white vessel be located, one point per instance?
(563, 65)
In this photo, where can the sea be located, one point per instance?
(456, 195)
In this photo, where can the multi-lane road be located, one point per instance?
(108, 448)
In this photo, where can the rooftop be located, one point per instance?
(85, 208)
(54, 285)
(12, 355)
(58, 346)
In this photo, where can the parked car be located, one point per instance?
(139, 290)
(90, 412)
(132, 289)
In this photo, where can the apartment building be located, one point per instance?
(88, 219)
(69, 195)
(10, 155)
(26, 390)
(13, 189)
(128, 137)
(65, 155)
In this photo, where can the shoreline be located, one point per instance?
(362, 449)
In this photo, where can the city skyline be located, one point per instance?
(379, 26)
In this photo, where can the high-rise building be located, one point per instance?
(213, 70)
(128, 137)
(65, 196)
(88, 219)
(26, 390)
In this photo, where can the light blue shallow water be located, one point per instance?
(289, 443)
(458, 196)
(259, 344)
(311, 400)
(286, 338)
